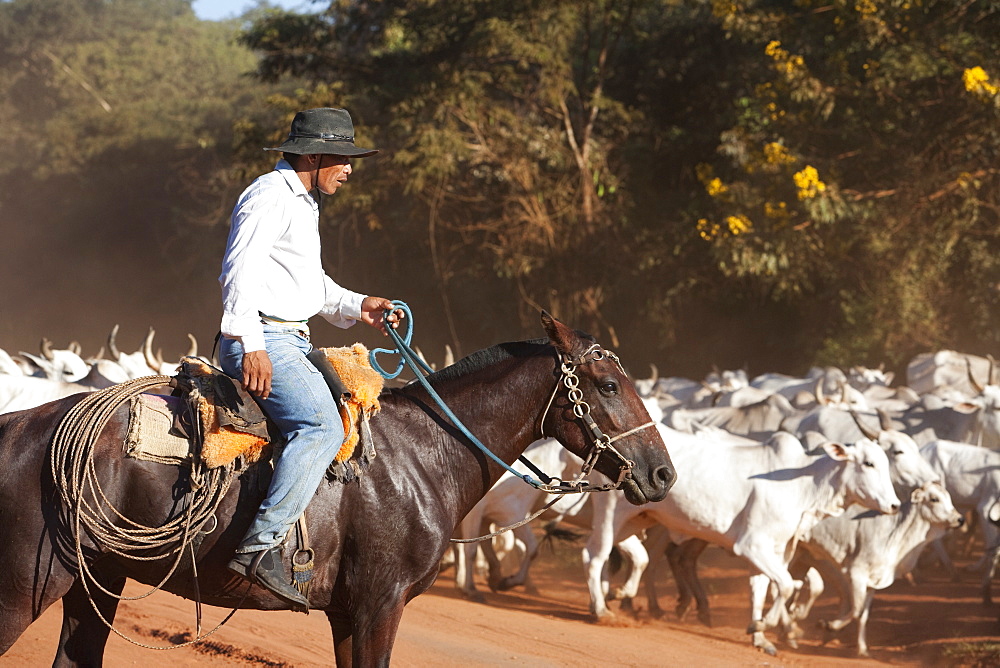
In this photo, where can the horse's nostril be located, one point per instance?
(665, 476)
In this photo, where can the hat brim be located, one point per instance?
(304, 146)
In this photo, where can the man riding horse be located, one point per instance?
(272, 283)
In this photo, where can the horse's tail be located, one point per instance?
(555, 531)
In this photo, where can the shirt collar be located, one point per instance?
(292, 178)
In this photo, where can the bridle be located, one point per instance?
(601, 442)
(568, 379)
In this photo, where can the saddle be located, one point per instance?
(231, 430)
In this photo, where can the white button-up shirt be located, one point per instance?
(272, 263)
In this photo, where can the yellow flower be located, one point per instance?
(866, 7)
(739, 224)
(716, 187)
(808, 183)
(977, 82)
(779, 210)
(707, 230)
(777, 154)
(774, 50)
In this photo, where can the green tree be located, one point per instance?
(862, 173)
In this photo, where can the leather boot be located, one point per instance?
(266, 569)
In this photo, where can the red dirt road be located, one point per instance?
(910, 626)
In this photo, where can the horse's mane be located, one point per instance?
(493, 355)
(490, 356)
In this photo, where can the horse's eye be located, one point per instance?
(870, 464)
(608, 388)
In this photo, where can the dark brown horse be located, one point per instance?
(377, 542)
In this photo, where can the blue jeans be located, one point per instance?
(302, 407)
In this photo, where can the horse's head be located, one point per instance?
(595, 412)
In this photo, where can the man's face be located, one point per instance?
(333, 172)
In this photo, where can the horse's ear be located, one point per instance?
(564, 338)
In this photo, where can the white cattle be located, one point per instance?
(822, 387)
(143, 362)
(753, 500)
(929, 372)
(509, 501)
(976, 420)
(908, 470)
(756, 420)
(863, 378)
(872, 550)
(8, 366)
(972, 476)
(21, 392)
(63, 365)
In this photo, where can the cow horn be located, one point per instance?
(656, 373)
(820, 399)
(868, 433)
(972, 381)
(75, 347)
(147, 350)
(112, 348)
(100, 354)
(46, 347)
(993, 367)
(159, 358)
(449, 356)
(884, 420)
(193, 350)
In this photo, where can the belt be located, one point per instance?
(300, 325)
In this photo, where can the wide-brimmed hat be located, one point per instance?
(323, 130)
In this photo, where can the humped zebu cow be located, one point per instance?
(975, 419)
(871, 550)
(908, 471)
(971, 475)
(928, 373)
(758, 420)
(753, 500)
(822, 386)
(59, 364)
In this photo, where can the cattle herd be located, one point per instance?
(838, 477)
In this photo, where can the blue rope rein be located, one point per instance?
(420, 368)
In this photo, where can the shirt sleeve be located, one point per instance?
(342, 307)
(255, 226)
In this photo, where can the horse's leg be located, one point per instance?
(31, 579)
(342, 640)
(687, 562)
(372, 644)
(84, 635)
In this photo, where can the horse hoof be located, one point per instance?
(705, 618)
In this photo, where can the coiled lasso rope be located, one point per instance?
(87, 509)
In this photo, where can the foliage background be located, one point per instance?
(762, 184)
